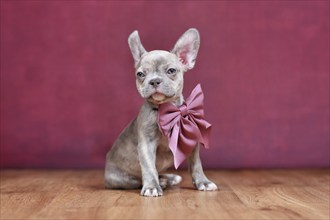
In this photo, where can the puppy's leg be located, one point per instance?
(115, 178)
(166, 180)
(200, 181)
(147, 157)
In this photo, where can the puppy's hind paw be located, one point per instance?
(166, 180)
(151, 192)
(206, 186)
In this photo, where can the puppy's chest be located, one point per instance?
(164, 156)
(148, 122)
(162, 143)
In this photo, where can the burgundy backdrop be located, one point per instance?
(68, 84)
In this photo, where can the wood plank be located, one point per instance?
(244, 194)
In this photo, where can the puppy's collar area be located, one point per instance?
(153, 107)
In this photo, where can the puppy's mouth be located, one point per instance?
(158, 98)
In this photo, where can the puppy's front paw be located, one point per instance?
(205, 186)
(151, 191)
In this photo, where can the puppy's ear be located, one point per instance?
(186, 48)
(136, 47)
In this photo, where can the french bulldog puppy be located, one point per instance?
(141, 152)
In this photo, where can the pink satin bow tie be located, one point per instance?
(185, 126)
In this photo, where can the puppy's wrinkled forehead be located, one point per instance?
(158, 59)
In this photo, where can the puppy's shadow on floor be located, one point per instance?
(94, 187)
(186, 187)
(101, 187)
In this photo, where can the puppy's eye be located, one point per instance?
(171, 71)
(140, 74)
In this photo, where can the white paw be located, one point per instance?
(176, 180)
(151, 192)
(166, 180)
(206, 186)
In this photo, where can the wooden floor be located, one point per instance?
(244, 194)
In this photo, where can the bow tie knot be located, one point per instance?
(185, 126)
(184, 110)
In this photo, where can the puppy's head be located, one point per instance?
(159, 73)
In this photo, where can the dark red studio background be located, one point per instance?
(68, 84)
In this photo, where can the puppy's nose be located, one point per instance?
(155, 82)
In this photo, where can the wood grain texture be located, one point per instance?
(244, 194)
